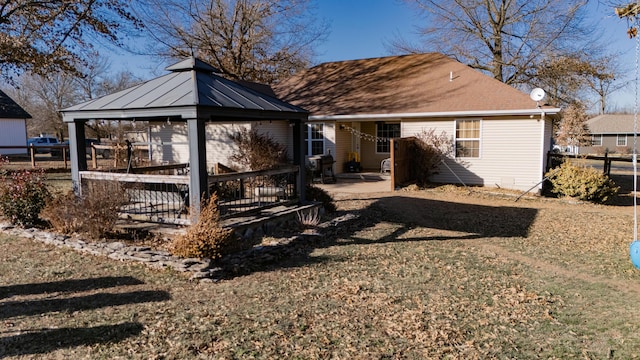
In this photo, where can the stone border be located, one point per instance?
(204, 270)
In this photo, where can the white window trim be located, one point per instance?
(621, 137)
(455, 139)
(376, 134)
(309, 140)
(594, 137)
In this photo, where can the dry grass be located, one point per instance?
(438, 273)
(461, 276)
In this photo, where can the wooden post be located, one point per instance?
(32, 151)
(94, 158)
(64, 156)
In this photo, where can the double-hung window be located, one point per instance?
(622, 140)
(385, 132)
(314, 139)
(468, 138)
(596, 140)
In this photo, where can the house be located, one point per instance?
(357, 106)
(610, 133)
(13, 126)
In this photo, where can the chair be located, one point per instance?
(385, 165)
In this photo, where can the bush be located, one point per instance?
(94, 214)
(314, 193)
(427, 152)
(23, 195)
(257, 151)
(581, 182)
(206, 238)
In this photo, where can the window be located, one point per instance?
(468, 138)
(622, 140)
(596, 140)
(314, 139)
(386, 131)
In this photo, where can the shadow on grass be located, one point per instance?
(46, 340)
(446, 220)
(72, 285)
(79, 303)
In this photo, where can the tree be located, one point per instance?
(255, 40)
(51, 35)
(573, 129)
(568, 78)
(505, 38)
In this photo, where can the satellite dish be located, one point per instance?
(537, 94)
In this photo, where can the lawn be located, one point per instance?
(438, 273)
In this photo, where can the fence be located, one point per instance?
(154, 198)
(250, 191)
(165, 198)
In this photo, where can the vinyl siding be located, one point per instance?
(13, 132)
(279, 131)
(168, 143)
(510, 153)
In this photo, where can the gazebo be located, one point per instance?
(194, 94)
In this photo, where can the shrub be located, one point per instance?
(428, 151)
(95, 213)
(314, 193)
(257, 151)
(207, 238)
(23, 194)
(581, 182)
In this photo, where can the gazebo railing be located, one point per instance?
(165, 198)
(153, 198)
(244, 192)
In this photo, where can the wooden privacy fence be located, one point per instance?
(401, 161)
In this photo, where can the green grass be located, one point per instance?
(429, 274)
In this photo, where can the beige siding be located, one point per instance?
(168, 143)
(510, 153)
(343, 147)
(13, 132)
(279, 131)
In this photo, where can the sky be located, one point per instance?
(363, 29)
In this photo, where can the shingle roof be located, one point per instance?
(420, 83)
(190, 83)
(9, 109)
(612, 124)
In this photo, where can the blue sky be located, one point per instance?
(361, 28)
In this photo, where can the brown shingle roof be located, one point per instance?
(419, 83)
(612, 124)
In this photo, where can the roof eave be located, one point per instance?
(438, 114)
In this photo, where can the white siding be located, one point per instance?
(220, 147)
(510, 153)
(13, 132)
(279, 131)
(168, 143)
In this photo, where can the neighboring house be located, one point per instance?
(13, 126)
(501, 136)
(610, 132)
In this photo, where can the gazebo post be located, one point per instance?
(198, 176)
(299, 157)
(77, 153)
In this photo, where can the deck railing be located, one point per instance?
(165, 198)
(153, 198)
(251, 191)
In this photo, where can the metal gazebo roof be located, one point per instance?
(191, 90)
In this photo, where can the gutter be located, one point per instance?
(398, 116)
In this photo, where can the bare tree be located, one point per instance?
(573, 129)
(255, 40)
(505, 38)
(47, 94)
(46, 35)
